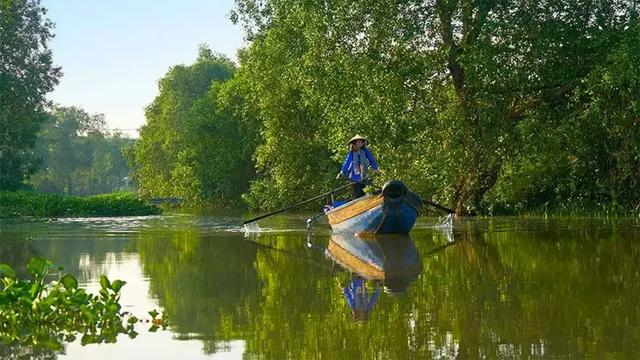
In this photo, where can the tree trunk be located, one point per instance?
(472, 186)
(461, 194)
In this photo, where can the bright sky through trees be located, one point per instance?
(113, 53)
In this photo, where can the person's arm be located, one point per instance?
(372, 160)
(348, 161)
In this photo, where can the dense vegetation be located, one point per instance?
(196, 144)
(79, 156)
(488, 106)
(26, 75)
(24, 203)
(43, 313)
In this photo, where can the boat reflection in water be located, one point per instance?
(388, 262)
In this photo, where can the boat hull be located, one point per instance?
(376, 215)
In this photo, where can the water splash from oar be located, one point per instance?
(445, 223)
(252, 227)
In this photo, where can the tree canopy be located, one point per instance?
(489, 106)
(79, 156)
(27, 74)
(463, 100)
(195, 144)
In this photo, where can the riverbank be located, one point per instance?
(25, 203)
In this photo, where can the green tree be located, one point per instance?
(442, 88)
(200, 135)
(292, 159)
(590, 157)
(230, 130)
(27, 74)
(78, 154)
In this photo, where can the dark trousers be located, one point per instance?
(357, 190)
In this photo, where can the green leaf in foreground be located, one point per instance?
(7, 271)
(39, 266)
(37, 314)
(69, 282)
(117, 285)
(104, 282)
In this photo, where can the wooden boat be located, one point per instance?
(392, 259)
(391, 211)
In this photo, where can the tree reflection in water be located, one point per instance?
(492, 288)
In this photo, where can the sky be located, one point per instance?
(113, 52)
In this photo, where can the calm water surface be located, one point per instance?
(487, 288)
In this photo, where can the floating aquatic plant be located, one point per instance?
(45, 314)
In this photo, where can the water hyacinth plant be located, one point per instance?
(25, 203)
(37, 313)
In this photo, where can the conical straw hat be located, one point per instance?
(358, 137)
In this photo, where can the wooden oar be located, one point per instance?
(299, 204)
(438, 206)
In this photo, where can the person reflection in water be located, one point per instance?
(358, 299)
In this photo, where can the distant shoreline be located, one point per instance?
(33, 204)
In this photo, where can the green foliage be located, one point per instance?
(199, 137)
(486, 106)
(47, 314)
(292, 160)
(588, 158)
(453, 95)
(79, 156)
(27, 74)
(22, 203)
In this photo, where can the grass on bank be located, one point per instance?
(25, 203)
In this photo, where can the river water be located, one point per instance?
(481, 288)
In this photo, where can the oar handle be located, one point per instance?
(299, 204)
(438, 206)
(287, 208)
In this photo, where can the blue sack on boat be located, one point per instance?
(334, 205)
(339, 203)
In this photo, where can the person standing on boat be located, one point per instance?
(356, 163)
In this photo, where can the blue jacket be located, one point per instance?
(350, 169)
